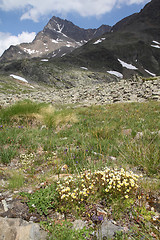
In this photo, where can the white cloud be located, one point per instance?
(34, 9)
(6, 39)
(130, 2)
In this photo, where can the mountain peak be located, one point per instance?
(58, 38)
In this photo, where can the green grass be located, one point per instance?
(42, 139)
(84, 137)
(16, 181)
(9, 85)
(65, 231)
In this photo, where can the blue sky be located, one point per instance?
(20, 20)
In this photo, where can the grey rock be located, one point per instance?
(18, 229)
(90, 92)
(5, 206)
(107, 230)
(79, 224)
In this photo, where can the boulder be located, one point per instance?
(107, 230)
(18, 229)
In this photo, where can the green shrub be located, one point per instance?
(42, 200)
(65, 231)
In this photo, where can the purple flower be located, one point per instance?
(94, 218)
(97, 218)
(100, 218)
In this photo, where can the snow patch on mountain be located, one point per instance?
(19, 78)
(156, 42)
(155, 46)
(27, 50)
(99, 41)
(117, 74)
(152, 74)
(84, 68)
(63, 54)
(127, 65)
(54, 41)
(44, 60)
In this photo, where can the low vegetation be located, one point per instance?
(84, 156)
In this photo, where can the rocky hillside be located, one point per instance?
(58, 38)
(132, 46)
(89, 89)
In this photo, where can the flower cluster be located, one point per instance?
(27, 160)
(89, 184)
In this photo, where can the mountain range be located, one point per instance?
(58, 38)
(131, 46)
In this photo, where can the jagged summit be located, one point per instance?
(58, 38)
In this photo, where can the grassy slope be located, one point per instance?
(42, 141)
(85, 134)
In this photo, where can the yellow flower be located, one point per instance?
(73, 195)
(126, 196)
(63, 196)
(91, 186)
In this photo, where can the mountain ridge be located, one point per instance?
(57, 34)
(131, 40)
(130, 47)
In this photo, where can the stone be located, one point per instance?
(101, 212)
(5, 206)
(18, 229)
(79, 224)
(89, 92)
(107, 230)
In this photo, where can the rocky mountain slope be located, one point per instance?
(86, 91)
(132, 46)
(58, 38)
